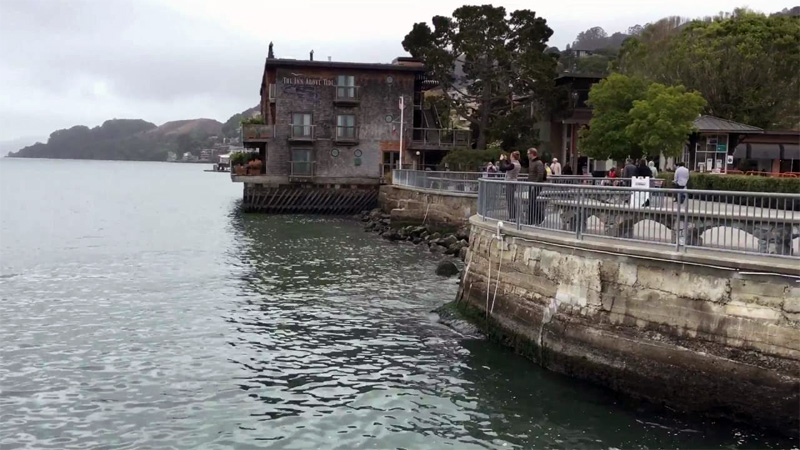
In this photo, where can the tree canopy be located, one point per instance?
(502, 56)
(744, 64)
(633, 116)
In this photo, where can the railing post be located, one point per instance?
(579, 218)
(518, 201)
(678, 227)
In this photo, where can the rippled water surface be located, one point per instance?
(140, 309)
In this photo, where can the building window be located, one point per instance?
(346, 126)
(301, 125)
(301, 162)
(345, 86)
(711, 153)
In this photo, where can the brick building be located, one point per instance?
(337, 124)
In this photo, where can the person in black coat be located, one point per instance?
(642, 170)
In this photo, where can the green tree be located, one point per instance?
(662, 121)
(503, 56)
(612, 100)
(744, 64)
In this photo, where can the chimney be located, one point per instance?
(270, 55)
(329, 59)
(312, 55)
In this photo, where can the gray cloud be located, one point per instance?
(68, 62)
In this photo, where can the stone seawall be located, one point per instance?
(709, 332)
(415, 206)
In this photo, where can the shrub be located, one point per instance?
(750, 183)
(255, 120)
(470, 160)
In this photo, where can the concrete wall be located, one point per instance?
(697, 333)
(413, 206)
(379, 92)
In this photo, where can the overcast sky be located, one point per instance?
(65, 63)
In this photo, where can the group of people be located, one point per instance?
(538, 171)
(551, 168)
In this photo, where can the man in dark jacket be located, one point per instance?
(536, 174)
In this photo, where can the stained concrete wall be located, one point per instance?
(412, 206)
(698, 332)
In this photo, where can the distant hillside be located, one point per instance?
(125, 139)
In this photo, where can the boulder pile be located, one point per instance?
(454, 244)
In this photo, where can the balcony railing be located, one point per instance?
(439, 138)
(302, 133)
(346, 135)
(301, 168)
(273, 90)
(257, 133)
(347, 94)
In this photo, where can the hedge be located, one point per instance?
(749, 183)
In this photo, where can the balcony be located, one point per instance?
(257, 133)
(302, 133)
(347, 95)
(439, 139)
(301, 169)
(346, 135)
(273, 90)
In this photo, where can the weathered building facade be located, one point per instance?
(337, 126)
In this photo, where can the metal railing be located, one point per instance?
(301, 168)
(302, 132)
(742, 222)
(440, 138)
(252, 132)
(461, 182)
(346, 133)
(599, 181)
(347, 93)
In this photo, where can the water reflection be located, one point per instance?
(337, 348)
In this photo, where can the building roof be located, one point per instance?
(566, 75)
(706, 124)
(402, 65)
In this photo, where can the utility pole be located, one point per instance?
(401, 131)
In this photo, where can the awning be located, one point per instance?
(791, 151)
(765, 151)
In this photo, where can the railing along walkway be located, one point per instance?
(747, 222)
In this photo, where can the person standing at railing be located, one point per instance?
(536, 174)
(630, 169)
(511, 168)
(681, 180)
(652, 166)
(555, 167)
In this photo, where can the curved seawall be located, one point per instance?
(709, 332)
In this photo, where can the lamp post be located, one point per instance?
(401, 130)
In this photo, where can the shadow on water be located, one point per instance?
(336, 347)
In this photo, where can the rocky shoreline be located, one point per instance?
(454, 244)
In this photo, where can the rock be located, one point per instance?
(375, 214)
(418, 231)
(425, 235)
(448, 241)
(436, 249)
(462, 234)
(463, 253)
(446, 269)
(386, 222)
(433, 242)
(391, 235)
(416, 240)
(435, 236)
(454, 249)
(463, 243)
